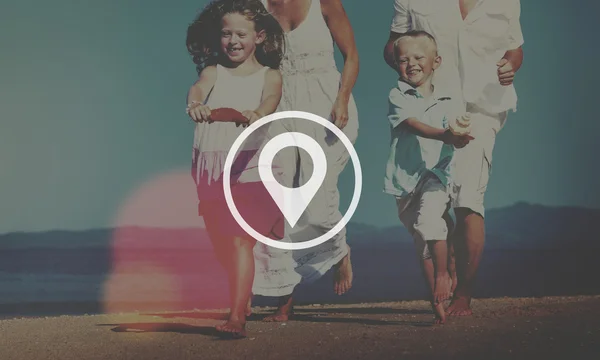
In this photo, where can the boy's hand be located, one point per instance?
(458, 141)
(198, 112)
(462, 141)
(506, 72)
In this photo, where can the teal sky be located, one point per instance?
(92, 98)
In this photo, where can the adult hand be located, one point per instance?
(506, 72)
(339, 113)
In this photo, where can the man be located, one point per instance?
(480, 44)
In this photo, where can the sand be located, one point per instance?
(555, 328)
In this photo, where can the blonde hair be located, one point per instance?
(412, 34)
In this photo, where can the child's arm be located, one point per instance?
(270, 97)
(198, 93)
(404, 112)
(420, 129)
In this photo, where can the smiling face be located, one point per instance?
(417, 59)
(239, 38)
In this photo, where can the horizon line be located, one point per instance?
(378, 227)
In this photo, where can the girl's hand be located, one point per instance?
(198, 112)
(339, 113)
(251, 115)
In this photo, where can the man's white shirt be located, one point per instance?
(470, 48)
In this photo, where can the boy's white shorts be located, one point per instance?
(424, 213)
(472, 165)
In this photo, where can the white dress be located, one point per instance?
(310, 83)
(212, 143)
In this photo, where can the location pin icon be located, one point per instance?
(292, 201)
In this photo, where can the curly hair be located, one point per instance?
(203, 35)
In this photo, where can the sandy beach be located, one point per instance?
(553, 327)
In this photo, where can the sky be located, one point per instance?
(92, 98)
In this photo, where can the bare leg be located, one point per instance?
(452, 266)
(234, 257)
(451, 256)
(241, 276)
(284, 310)
(429, 273)
(443, 283)
(249, 306)
(343, 275)
(221, 246)
(468, 247)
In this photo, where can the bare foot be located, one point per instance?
(233, 328)
(343, 275)
(277, 317)
(460, 306)
(440, 315)
(443, 286)
(281, 315)
(248, 310)
(284, 312)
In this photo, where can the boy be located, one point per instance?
(481, 43)
(422, 148)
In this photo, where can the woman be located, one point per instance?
(312, 83)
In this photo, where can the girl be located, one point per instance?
(312, 83)
(237, 47)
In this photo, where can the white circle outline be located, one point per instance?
(227, 179)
